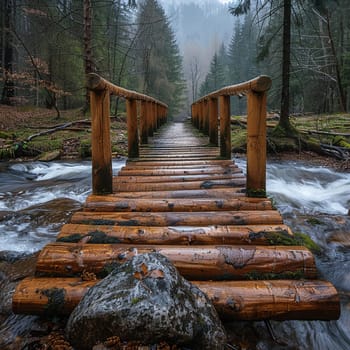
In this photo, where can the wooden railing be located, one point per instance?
(152, 114)
(213, 111)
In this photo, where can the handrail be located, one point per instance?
(152, 114)
(208, 110)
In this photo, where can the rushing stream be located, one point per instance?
(37, 198)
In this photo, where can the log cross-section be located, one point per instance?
(181, 195)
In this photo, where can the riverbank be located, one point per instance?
(28, 133)
(312, 158)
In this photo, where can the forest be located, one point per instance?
(47, 47)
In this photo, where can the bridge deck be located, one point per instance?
(181, 199)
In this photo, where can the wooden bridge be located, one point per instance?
(182, 195)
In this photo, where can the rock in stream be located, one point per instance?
(146, 299)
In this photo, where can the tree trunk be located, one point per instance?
(8, 92)
(87, 47)
(284, 118)
(341, 92)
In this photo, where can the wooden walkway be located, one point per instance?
(181, 199)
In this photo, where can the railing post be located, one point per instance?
(206, 117)
(256, 144)
(195, 115)
(149, 118)
(225, 126)
(133, 138)
(157, 117)
(101, 143)
(144, 122)
(154, 116)
(213, 121)
(202, 114)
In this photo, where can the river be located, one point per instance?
(37, 198)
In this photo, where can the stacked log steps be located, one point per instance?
(179, 199)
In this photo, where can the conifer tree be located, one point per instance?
(158, 60)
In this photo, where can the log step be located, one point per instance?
(248, 217)
(176, 178)
(175, 166)
(178, 156)
(226, 193)
(130, 171)
(193, 262)
(173, 186)
(233, 300)
(136, 162)
(109, 203)
(189, 235)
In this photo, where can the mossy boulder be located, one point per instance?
(146, 300)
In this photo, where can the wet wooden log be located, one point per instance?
(177, 178)
(174, 159)
(234, 300)
(137, 162)
(256, 144)
(193, 262)
(181, 152)
(189, 235)
(173, 148)
(154, 172)
(190, 185)
(229, 192)
(225, 127)
(264, 217)
(146, 166)
(110, 203)
(187, 168)
(277, 300)
(101, 143)
(179, 155)
(133, 136)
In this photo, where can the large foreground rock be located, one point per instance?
(146, 299)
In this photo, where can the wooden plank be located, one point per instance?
(233, 300)
(172, 186)
(264, 217)
(136, 162)
(176, 178)
(178, 235)
(229, 192)
(110, 203)
(193, 262)
(146, 166)
(128, 171)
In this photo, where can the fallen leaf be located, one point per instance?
(138, 275)
(156, 274)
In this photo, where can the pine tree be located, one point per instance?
(158, 60)
(218, 72)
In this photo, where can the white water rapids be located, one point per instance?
(26, 189)
(36, 199)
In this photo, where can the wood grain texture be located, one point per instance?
(233, 300)
(193, 262)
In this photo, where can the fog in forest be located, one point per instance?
(200, 28)
(176, 50)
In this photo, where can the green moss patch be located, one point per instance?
(295, 240)
(288, 275)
